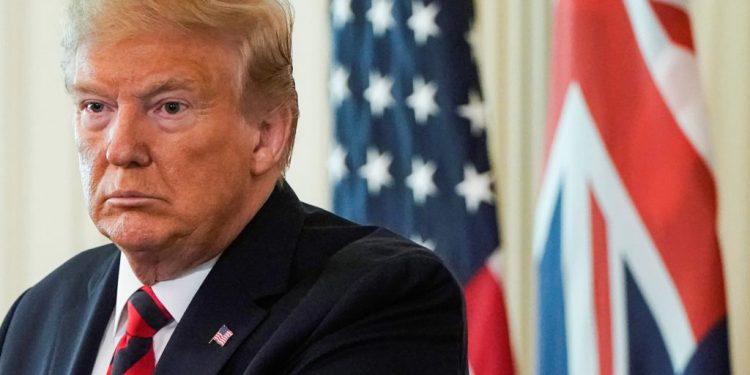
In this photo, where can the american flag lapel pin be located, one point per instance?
(222, 336)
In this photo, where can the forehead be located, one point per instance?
(157, 58)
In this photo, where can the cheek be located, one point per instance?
(226, 151)
(214, 176)
(221, 172)
(84, 165)
(89, 156)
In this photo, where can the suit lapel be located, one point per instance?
(256, 265)
(82, 325)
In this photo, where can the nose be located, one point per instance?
(127, 146)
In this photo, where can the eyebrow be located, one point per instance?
(86, 88)
(170, 84)
(166, 85)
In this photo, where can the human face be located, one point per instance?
(165, 150)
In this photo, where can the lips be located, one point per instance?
(129, 198)
(127, 194)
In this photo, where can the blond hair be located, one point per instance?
(261, 29)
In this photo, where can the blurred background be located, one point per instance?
(43, 220)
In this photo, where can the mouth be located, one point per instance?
(129, 199)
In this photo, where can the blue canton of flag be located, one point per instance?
(410, 143)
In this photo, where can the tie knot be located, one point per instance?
(146, 314)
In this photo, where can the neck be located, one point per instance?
(150, 272)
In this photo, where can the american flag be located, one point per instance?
(410, 148)
(630, 274)
(222, 335)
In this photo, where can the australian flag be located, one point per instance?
(410, 150)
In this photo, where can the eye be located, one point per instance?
(173, 108)
(172, 113)
(95, 114)
(95, 107)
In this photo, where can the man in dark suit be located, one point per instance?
(186, 113)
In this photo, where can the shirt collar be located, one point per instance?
(174, 294)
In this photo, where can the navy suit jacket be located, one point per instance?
(304, 292)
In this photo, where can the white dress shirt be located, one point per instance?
(174, 294)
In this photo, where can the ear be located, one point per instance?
(274, 136)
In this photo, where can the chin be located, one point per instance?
(135, 235)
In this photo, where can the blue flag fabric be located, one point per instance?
(410, 148)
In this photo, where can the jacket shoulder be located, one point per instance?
(388, 303)
(374, 297)
(49, 320)
(330, 238)
(88, 265)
